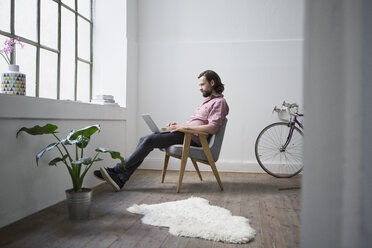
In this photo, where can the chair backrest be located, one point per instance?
(215, 142)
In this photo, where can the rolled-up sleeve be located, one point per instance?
(217, 114)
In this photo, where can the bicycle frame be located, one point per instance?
(292, 123)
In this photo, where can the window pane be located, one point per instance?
(25, 18)
(26, 59)
(84, 8)
(83, 84)
(70, 3)
(48, 74)
(67, 88)
(84, 39)
(49, 23)
(5, 15)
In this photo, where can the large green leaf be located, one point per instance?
(66, 142)
(58, 159)
(37, 130)
(85, 161)
(85, 132)
(81, 141)
(114, 154)
(48, 148)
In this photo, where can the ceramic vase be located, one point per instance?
(13, 82)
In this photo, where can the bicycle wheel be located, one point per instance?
(270, 155)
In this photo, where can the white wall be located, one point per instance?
(255, 46)
(26, 188)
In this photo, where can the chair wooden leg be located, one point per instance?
(185, 154)
(215, 172)
(197, 169)
(208, 154)
(166, 160)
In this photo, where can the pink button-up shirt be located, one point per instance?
(211, 111)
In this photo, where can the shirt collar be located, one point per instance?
(214, 95)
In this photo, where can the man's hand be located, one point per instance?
(171, 126)
(174, 127)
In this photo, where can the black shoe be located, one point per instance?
(112, 178)
(98, 173)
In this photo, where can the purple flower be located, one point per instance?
(19, 42)
(9, 42)
(9, 48)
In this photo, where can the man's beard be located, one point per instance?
(207, 93)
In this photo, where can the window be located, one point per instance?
(57, 56)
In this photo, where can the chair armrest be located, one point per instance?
(192, 132)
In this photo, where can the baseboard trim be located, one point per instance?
(222, 166)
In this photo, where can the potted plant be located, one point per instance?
(78, 198)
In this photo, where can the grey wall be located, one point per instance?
(337, 185)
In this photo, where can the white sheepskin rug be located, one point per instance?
(194, 217)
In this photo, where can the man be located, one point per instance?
(207, 118)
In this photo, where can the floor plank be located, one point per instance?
(271, 204)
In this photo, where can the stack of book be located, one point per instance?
(104, 100)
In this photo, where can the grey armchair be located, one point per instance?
(208, 153)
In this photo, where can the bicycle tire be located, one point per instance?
(267, 150)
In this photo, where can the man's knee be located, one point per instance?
(141, 139)
(147, 140)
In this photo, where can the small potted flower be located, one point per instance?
(12, 82)
(78, 198)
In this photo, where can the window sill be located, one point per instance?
(25, 107)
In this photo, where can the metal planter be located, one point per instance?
(78, 203)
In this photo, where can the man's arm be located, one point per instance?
(202, 128)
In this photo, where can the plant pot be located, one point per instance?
(78, 203)
(13, 82)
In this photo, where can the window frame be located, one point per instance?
(57, 51)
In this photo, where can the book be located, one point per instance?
(104, 97)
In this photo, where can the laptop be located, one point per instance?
(151, 124)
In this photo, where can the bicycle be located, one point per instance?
(279, 146)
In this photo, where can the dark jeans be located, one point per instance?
(145, 145)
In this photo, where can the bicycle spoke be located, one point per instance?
(292, 168)
(268, 144)
(267, 153)
(278, 138)
(288, 164)
(297, 159)
(272, 157)
(295, 154)
(274, 140)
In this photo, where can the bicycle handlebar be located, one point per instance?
(289, 106)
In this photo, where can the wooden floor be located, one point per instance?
(272, 205)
